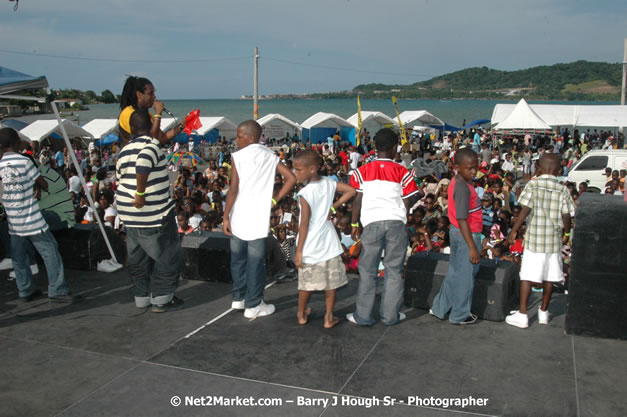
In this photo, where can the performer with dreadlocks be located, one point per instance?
(139, 93)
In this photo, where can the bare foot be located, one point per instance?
(302, 320)
(331, 323)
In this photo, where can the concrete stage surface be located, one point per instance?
(104, 357)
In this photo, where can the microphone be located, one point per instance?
(169, 112)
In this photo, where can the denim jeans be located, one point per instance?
(154, 259)
(390, 235)
(456, 292)
(46, 245)
(248, 270)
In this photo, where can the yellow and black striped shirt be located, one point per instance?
(143, 155)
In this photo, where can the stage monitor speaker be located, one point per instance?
(206, 257)
(597, 288)
(82, 246)
(496, 289)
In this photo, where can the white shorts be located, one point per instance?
(538, 267)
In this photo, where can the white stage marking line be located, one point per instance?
(572, 340)
(216, 318)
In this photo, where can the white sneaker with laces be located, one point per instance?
(7, 263)
(108, 265)
(401, 316)
(518, 319)
(261, 310)
(238, 305)
(543, 317)
(34, 269)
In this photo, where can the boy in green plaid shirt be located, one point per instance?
(549, 206)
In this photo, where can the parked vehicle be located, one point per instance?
(591, 167)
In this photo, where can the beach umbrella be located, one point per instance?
(184, 159)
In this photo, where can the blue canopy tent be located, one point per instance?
(477, 122)
(107, 140)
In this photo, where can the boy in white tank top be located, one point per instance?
(247, 216)
(318, 254)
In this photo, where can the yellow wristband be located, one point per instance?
(274, 201)
(333, 209)
(355, 224)
(157, 116)
(140, 194)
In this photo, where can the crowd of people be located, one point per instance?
(335, 207)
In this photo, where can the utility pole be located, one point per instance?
(622, 91)
(256, 85)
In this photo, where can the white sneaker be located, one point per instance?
(401, 316)
(238, 305)
(518, 319)
(7, 263)
(261, 310)
(108, 265)
(543, 317)
(34, 269)
(351, 318)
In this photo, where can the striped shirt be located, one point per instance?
(548, 201)
(18, 175)
(143, 155)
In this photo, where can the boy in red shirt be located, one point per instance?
(466, 216)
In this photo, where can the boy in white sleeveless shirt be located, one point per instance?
(247, 216)
(318, 254)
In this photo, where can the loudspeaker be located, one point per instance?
(206, 257)
(597, 287)
(83, 246)
(496, 288)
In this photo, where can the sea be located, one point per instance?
(453, 112)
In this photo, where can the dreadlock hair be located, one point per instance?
(131, 87)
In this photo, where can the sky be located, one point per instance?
(199, 49)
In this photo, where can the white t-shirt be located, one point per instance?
(110, 212)
(322, 241)
(75, 184)
(355, 157)
(256, 168)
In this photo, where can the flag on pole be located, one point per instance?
(359, 124)
(400, 123)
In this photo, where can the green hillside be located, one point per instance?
(579, 80)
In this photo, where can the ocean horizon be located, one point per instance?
(453, 112)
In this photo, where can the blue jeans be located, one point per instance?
(456, 292)
(154, 259)
(46, 245)
(248, 270)
(390, 235)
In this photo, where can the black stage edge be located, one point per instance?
(104, 357)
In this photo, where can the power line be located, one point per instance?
(346, 69)
(150, 61)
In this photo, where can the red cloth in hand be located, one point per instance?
(192, 122)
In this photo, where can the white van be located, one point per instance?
(591, 167)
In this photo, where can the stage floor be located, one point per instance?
(104, 357)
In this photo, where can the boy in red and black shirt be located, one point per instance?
(383, 191)
(466, 216)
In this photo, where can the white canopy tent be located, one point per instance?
(275, 125)
(371, 117)
(570, 115)
(322, 119)
(41, 129)
(523, 120)
(20, 134)
(411, 118)
(225, 126)
(99, 128)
